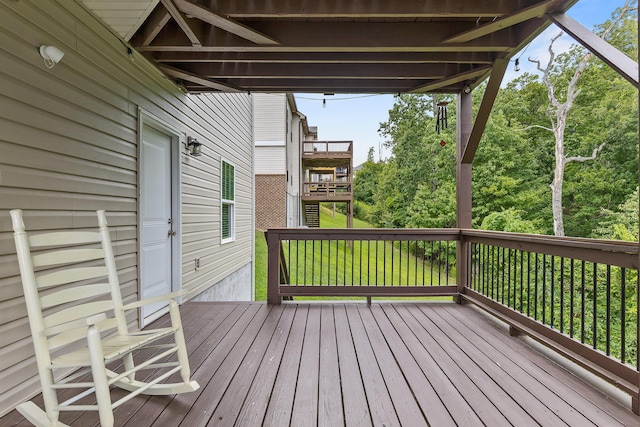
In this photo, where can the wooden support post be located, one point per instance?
(273, 267)
(463, 188)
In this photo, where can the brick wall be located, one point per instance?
(271, 201)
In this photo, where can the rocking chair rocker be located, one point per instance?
(78, 326)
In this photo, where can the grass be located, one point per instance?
(261, 267)
(337, 263)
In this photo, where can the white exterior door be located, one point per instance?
(156, 219)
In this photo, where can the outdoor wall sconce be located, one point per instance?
(194, 146)
(51, 55)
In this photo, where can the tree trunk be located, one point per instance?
(558, 177)
(556, 200)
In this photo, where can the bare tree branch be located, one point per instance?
(583, 158)
(533, 126)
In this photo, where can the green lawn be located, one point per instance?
(338, 263)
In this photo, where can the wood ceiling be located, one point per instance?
(337, 46)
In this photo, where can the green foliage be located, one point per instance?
(621, 224)
(509, 220)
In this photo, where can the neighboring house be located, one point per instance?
(327, 173)
(279, 129)
(104, 129)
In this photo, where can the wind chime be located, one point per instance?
(441, 118)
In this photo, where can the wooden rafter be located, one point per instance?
(458, 78)
(523, 15)
(180, 74)
(490, 93)
(337, 46)
(153, 25)
(183, 22)
(475, 58)
(209, 16)
(377, 9)
(625, 66)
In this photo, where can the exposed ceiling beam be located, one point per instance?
(346, 9)
(625, 66)
(346, 71)
(337, 85)
(458, 78)
(209, 16)
(535, 11)
(329, 58)
(341, 36)
(152, 26)
(179, 74)
(185, 24)
(488, 99)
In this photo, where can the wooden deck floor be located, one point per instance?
(391, 364)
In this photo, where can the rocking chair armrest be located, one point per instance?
(165, 297)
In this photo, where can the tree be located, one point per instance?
(557, 112)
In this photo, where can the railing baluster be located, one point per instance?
(561, 294)
(529, 284)
(535, 291)
(521, 282)
(623, 319)
(595, 305)
(544, 289)
(608, 314)
(582, 304)
(509, 277)
(572, 298)
(552, 303)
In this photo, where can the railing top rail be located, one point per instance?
(365, 233)
(573, 242)
(327, 146)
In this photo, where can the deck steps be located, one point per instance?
(312, 215)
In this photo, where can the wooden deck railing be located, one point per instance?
(326, 148)
(577, 296)
(356, 262)
(326, 189)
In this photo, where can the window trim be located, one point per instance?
(231, 203)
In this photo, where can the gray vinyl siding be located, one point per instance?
(68, 146)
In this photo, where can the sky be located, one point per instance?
(357, 117)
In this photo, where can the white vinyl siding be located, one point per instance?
(68, 147)
(270, 161)
(269, 119)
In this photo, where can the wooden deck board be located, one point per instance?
(350, 364)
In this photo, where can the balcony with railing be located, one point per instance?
(412, 361)
(339, 153)
(578, 297)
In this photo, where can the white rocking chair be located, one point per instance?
(78, 325)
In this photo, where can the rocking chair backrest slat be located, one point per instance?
(73, 281)
(78, 311)
(71, 275)
(64, 238)
(66, 256)
(75, 294)
(59, 339)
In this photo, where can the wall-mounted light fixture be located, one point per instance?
(467, 88)
(51, 55)
(194, 146)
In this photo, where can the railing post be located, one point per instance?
(273, 267)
